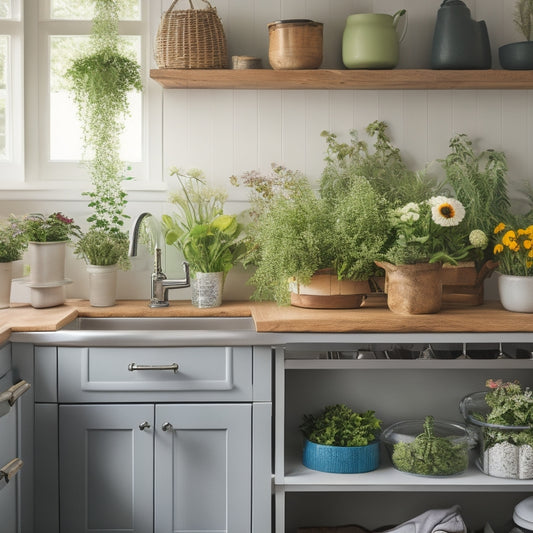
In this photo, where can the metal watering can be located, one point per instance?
(370, 40)
(459, 42)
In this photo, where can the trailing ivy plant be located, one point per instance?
(339, 425)
(101, 79)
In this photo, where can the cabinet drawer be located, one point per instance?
(155, 374)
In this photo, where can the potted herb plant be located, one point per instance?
(514, 252)
(47, 239)
(340, 440)
(426, 235)
(503, 418)
(298, 238)
(427, 447)
(209, 239)
(519, 55)
(478, 180)
(101, 79)
(13, 242)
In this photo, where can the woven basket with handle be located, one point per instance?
(191, 38)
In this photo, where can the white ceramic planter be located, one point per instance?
(47, 262)
(102, 285)
(5, 284)
(206, 289)
(516, 293)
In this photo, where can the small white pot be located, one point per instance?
(206, 289)
(516, 293)
(47, 262)
(5, 284)
(102, 285)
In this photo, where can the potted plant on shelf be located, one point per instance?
(13, 242)
(427, 447)
(310, 250)
(210, 240)
(426, 235)
(519, 56)
(503, 418)
(101, 79)
(514, 252)
(340, 440)
(478, 181)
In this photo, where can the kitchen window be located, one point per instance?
(50, 150)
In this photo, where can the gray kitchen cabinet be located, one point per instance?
(13, 448)
(139, 449)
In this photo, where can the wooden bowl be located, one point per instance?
(295, 44)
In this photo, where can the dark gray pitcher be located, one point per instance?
(459, 42)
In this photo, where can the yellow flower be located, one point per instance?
(530, 253)
(499, 227)
(508, 238)
(498, 249)
(529, 230)
(521, 231)
(527, 244)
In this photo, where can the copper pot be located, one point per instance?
(295, 44)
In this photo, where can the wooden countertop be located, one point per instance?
(269, 317)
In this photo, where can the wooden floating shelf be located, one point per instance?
(343, 79)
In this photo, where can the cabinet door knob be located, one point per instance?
(166, 426)
(144, 425)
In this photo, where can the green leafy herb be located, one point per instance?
(430, 455)
(338, 425)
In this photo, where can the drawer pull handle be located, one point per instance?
(134, 366)
(14, 392)
(144, 425)
(166, 426)
(11, 469)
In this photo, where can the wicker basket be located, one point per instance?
(191, 38)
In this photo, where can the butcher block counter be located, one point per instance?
(271, 318)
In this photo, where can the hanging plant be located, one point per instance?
(100, 81)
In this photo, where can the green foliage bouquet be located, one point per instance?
(54, 227)
(13, 239)
(338, 425)
(514, 250)
(103, 248)
(209, 239)
(431, 231)
(294, 232)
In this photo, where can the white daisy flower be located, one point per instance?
(448, 212)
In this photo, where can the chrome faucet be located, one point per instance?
(160, 285)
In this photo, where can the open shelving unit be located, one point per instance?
(343, 79)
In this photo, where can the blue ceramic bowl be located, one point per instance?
(341, 459)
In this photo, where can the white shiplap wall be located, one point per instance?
(225, 132)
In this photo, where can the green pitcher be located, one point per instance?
(370, 40)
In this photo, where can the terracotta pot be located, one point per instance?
(326, 291)
(413, 289)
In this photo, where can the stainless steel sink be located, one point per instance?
(163, 324)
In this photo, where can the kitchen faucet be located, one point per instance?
(160, 285)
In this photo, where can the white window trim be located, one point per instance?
(41, 179)
(12, 170)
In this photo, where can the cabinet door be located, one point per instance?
(106, 468)
(203, 468)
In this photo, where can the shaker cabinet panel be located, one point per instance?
(203, 468)
(106, 468)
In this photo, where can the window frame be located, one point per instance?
(35, 171)
(12, 169)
